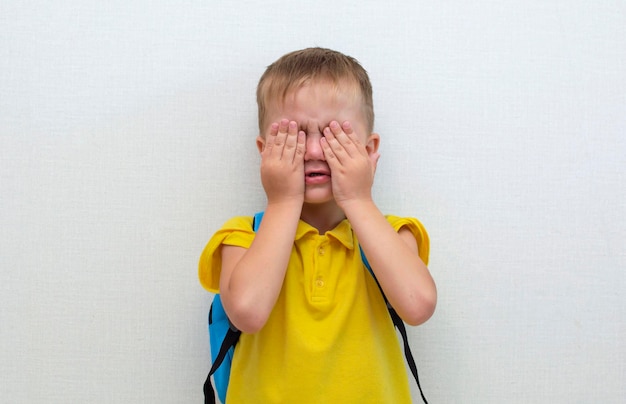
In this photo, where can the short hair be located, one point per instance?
(295, 69)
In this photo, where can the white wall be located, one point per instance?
(127, 138)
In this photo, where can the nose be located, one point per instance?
(313, 147)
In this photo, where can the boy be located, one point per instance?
(315, 327)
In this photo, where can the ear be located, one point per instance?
(260, 143)
(373, 141)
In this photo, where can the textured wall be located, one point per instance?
(127, 137)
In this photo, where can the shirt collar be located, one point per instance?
(342, 232)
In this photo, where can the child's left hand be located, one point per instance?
(352, 166)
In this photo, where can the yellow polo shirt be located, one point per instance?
(329, 338)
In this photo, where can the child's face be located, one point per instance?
(313, 107)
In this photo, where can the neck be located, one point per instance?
(323, 217)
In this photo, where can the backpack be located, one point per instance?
(223, 336)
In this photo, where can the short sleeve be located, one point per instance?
(418, 230)
(237, 232)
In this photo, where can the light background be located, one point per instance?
(127, 138)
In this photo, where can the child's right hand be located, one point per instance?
(282, 163)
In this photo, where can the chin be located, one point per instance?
(318, 196)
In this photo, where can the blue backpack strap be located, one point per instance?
(399, 324)
(225, 336)
(369, 267)
(256, 222)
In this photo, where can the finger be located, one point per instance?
(280, 138)
(270, 138)
(349, 131)
(329, 154)
(333, 143)
(298, 156)
(347, 128)
(347, 141)
(354, 143)
(291, 141)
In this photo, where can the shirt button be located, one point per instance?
(319, 283)
(321, 250)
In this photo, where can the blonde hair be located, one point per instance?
(298, 68)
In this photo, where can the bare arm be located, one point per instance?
(251, 279)
(394, 256)
(395, 260)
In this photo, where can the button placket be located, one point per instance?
(321, 268)
(321, 250)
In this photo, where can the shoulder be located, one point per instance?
(399, 222)
(238, 223)
(416, 228)
(236, 231)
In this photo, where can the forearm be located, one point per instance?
(395, 260)
(254, 283)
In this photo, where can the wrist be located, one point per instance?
(285, 205)
(356, 205)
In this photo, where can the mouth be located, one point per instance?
(316, 177)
